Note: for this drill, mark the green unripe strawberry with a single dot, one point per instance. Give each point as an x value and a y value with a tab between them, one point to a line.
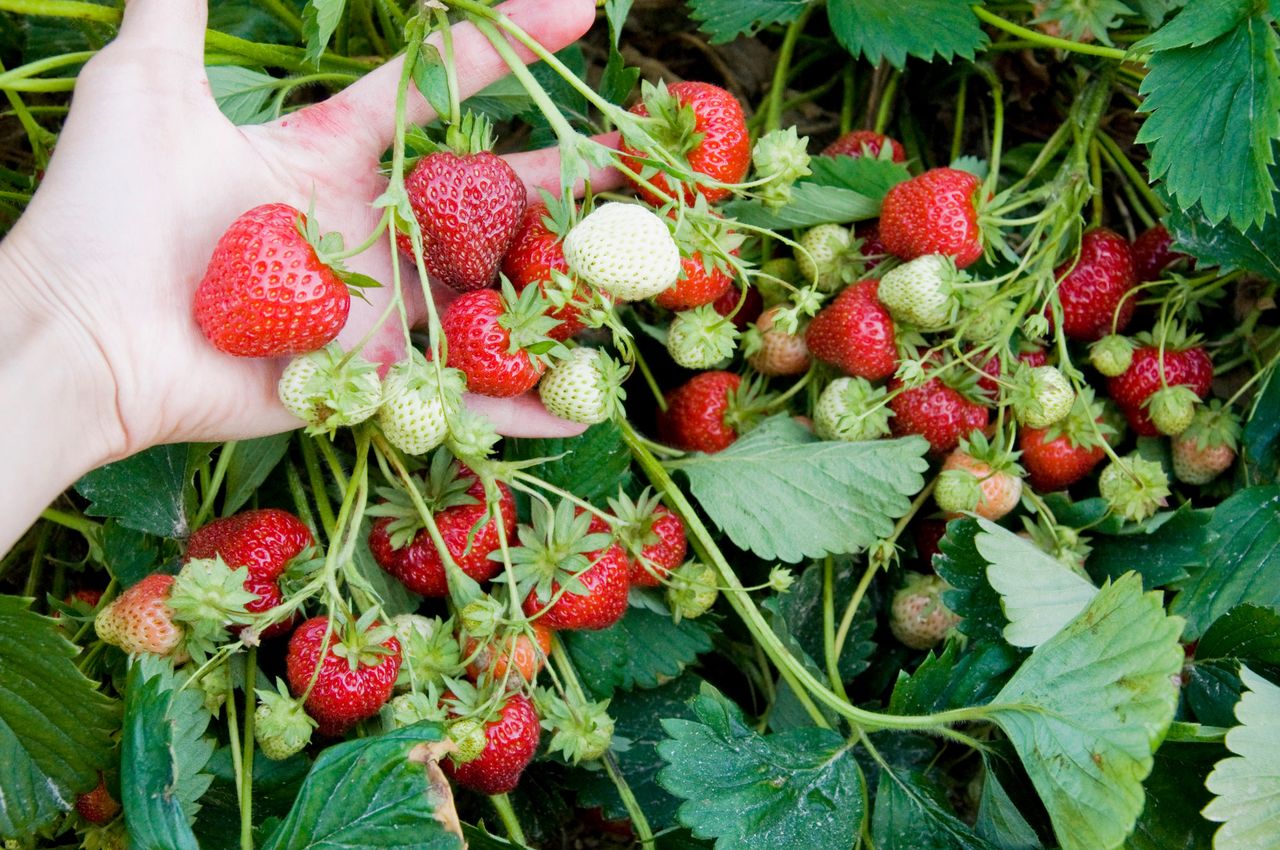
1207	448
851	410
586	388
701	338
1111	355
281	726
1172	409
417	403
1134	487
328	389
780	157
692	590
469	735
824	256
1041	395
917	616
921	292
624	250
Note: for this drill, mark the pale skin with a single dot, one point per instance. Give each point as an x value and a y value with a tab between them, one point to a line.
102	355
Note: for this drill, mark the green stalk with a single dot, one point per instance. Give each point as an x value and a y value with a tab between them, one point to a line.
778	88
1135	176
75	522
886	102
502	804
1048	41
957	133
211	493
37	563
246	788
284	14
315	477
828	627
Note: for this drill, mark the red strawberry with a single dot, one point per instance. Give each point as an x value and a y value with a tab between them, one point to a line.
469	208
652	536
573	552
489	336
1091	292
510	743
701	123
935	213
1153	253
356	675
696	416
266	292
90	596
928	536
939	413
98	806
859	142
1185	363
872	248
264	541
752	306
1032	355
140	619
855	332
1062	454
697	285
403	547
535	253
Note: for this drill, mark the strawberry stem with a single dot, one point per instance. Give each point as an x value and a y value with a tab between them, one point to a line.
1047	41
246	789
507	814
215	484
777	89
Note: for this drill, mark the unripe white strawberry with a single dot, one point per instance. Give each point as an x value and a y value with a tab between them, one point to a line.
281	726
773	351
328	389
1172	409
1134	487
700	338
1112	355
1041	396
417	403
1207	448
921	292
825	258
625	250
852	410
692	590
586	388
917	616
975	477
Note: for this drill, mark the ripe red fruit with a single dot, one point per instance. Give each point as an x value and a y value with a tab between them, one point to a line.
653	538
1091	292
854	142
417	565
478	327
264	541
935	213
469	208
696	285
695	416
98	806
1153	253
872	248
606	581
937	412
705	124
1054	459
535	253
855	332
928	537
752	306
510	744
265	292
347	689
1189	367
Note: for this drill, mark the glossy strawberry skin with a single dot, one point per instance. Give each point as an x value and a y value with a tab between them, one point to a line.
856	333
418	565
510	744
1091	292
480	347
265	292
469	209
934	213
1055	464
141	619
98	806
1190	367
724	154
1153	253
872	248
534	254
607	583
853	142
696	286
665	555
264	541
937	412
752	307
694	418
341	697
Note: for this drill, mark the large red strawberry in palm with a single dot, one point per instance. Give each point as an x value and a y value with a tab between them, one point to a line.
703	126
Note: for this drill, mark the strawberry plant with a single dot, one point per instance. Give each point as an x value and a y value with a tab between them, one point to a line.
757	423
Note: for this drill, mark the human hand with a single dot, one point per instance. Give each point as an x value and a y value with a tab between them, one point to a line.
148	174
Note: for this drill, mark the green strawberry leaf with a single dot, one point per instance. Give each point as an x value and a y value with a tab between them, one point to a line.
432	80
642	650
242	93
954	679
371	794
1213	87
791	791
1240	563
912	811
1247	632
1260	447
55	726
163	756
1038	593
972	596
801	611
319	20
275	785
878	29
638	718
130	556
1175	795
1000	821
151	491
824	497
1246	787
810	204
592	465
869	175
1087	709
1161	553
251	463
725	20
1255	249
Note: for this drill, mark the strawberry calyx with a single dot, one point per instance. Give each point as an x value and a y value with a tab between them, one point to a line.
581	732
472	135
1171	336
206	597
636	532
429	650
1134	487
700	231
748	404
671	125
362	642
992	453
554	550
443	486
700	338
524	318
1213	425
330	249
332	388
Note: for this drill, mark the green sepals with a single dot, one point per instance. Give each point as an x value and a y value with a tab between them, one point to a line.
415	707
214	684
992	452
361	644
781	158
748	405
328	389
1041	395
1080	20
701	338
481	617
525	319
555	549
1214	425
444	486
471	434
474	134
1134	487
699	230
582	732
1112	355
1064	543
1172	336
327	247
672	125
781	579
691	590
636	529
1081	426
852	410
207	596
282	727
429	650
1172	409
561	213
1035	326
